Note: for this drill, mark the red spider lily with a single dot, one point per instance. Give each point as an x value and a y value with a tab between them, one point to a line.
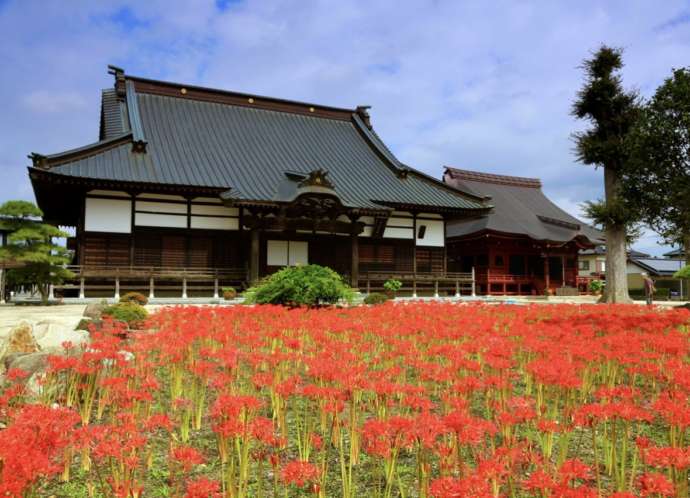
187	457
653	484
469	487
300	473
415	400
667	457
203	488
32	446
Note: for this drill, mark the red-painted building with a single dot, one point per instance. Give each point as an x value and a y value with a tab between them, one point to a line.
524	245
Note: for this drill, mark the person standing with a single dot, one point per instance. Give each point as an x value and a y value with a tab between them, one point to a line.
649	288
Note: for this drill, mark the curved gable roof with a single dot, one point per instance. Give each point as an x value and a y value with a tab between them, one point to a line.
242	144
520	208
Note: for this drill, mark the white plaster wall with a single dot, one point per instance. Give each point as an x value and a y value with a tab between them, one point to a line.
398	233
108	215
161	207
276	252
207	199
217	210
298	253
434	235
215	223
162	197
395	221
160	220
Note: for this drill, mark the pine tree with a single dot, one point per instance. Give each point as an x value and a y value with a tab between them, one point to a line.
30	244
613	112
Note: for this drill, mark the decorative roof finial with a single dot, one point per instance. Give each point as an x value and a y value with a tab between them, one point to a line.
38	160
119	74
363	112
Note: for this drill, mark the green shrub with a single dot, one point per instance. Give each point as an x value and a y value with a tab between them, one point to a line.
683	272
130	312
376	298
596	286
661	294
309	285
229	293
134	297
392	285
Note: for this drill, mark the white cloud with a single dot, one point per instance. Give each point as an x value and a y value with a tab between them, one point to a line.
473	84
46	101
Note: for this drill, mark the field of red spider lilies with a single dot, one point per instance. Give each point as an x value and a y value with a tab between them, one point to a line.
418	400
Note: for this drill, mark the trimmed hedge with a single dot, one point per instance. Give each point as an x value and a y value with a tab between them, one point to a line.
661	294
309	285
135	297
129	312
375	298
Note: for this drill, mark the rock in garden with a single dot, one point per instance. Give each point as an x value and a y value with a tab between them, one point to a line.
19	340
50	336
94	310
31	363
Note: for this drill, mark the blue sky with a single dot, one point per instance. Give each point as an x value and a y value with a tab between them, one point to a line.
473	84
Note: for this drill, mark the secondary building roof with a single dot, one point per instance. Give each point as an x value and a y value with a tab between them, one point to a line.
520	208
249	149
600	250
660	267
675	253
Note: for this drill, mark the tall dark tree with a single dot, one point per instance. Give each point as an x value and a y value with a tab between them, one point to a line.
658	179
612	112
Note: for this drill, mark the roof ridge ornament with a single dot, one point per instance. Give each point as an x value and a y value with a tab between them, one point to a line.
119	74
38	160
363	112
317	178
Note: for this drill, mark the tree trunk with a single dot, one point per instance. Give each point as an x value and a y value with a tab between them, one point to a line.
616	254
44	290
686	248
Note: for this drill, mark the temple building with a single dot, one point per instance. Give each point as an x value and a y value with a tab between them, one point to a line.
188	189
524	245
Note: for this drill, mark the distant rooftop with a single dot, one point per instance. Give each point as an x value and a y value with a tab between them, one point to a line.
661	267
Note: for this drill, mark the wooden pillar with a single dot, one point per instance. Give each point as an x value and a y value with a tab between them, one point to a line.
436	288
354	263
254	256
215	287
474	283
547	277
488	281
563	271
457	287
82	293
117	288
151	287
368	285
184	286
414	285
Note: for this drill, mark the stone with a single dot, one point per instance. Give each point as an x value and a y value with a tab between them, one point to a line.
19	340
50	336
31	362
94	310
